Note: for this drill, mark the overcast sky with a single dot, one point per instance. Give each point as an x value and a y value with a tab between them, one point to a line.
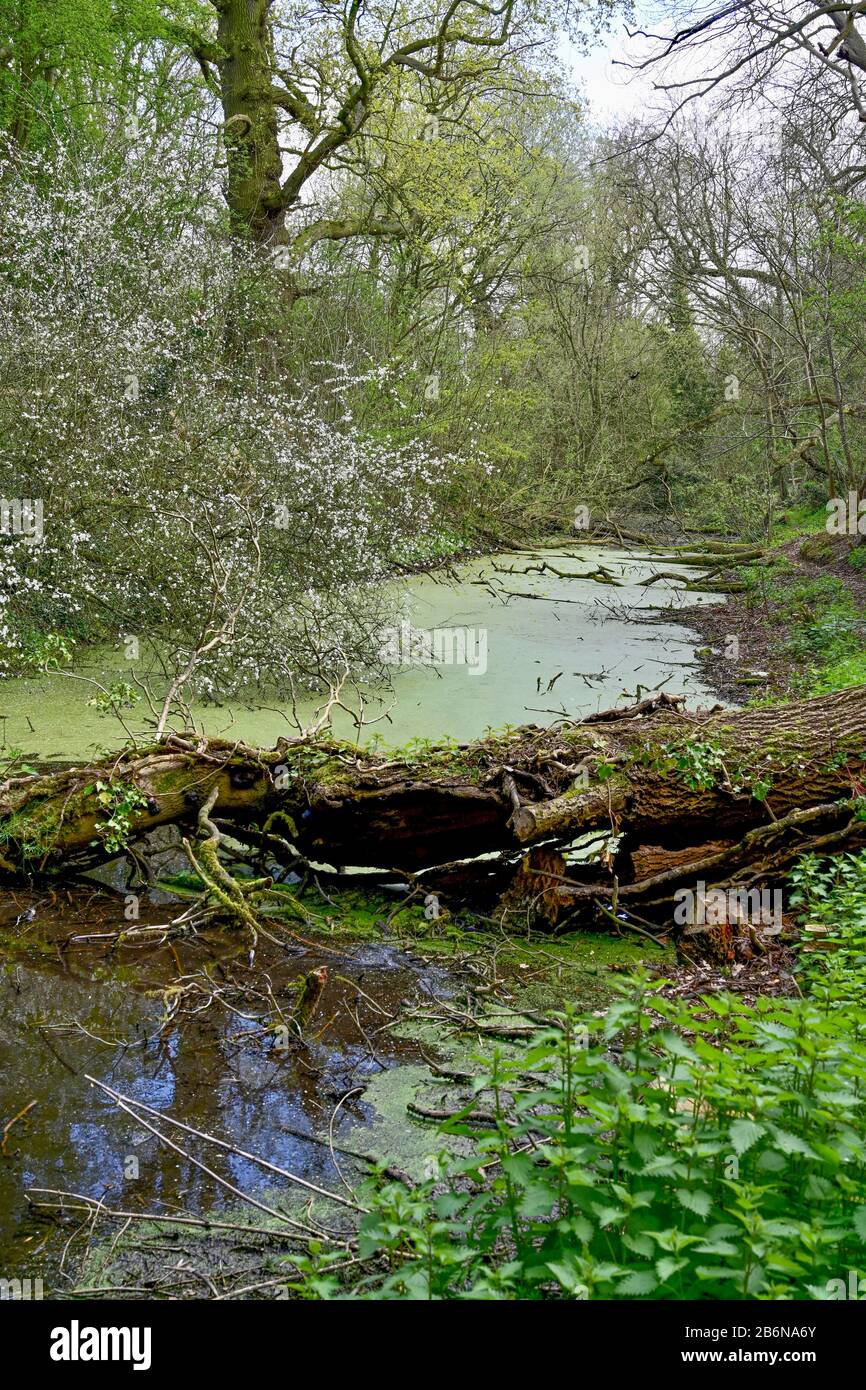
612	91
616	91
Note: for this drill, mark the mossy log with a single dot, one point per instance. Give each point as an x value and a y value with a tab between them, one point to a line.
669	795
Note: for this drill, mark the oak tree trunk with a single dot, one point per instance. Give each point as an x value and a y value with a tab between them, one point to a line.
255	197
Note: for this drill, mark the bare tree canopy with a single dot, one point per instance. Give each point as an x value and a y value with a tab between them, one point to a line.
749	46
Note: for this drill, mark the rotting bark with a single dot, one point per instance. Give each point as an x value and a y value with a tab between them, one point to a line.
670	796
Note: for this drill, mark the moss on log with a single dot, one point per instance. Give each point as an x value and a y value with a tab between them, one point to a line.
729	795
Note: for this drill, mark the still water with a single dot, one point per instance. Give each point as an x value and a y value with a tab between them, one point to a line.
74	1003
529	646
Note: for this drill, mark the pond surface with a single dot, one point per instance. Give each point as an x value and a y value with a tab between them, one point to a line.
515	646
72	1008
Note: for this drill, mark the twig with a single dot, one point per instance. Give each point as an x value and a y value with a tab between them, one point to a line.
126	1102
15	1118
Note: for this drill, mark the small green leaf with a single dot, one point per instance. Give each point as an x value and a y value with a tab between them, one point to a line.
697	1201
640	1282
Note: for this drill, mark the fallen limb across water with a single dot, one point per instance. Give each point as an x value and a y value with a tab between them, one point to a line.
671	796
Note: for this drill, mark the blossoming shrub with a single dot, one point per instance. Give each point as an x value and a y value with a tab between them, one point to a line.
190	494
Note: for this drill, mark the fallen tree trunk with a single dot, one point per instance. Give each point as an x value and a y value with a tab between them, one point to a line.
667	796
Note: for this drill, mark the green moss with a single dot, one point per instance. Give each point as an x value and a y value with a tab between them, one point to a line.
35	831
352	913
14	947
819	549
580	968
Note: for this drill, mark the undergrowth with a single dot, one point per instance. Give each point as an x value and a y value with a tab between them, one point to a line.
656	1149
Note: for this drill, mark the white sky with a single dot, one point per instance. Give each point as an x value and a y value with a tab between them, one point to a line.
611	91
616	91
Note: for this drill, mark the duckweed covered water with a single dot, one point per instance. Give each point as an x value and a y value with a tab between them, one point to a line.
572	645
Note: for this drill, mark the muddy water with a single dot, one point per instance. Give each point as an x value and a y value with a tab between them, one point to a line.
513	630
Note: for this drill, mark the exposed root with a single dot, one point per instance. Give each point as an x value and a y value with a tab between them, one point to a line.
232	897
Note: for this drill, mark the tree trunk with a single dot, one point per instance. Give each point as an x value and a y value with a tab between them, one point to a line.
668	796
255	198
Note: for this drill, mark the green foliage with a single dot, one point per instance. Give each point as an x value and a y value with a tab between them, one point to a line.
702	764
716	1153
851	670
36	651
804	518
12	764
119	801
844	234
832	893
604	771
117	696
825	623
699	764
67	64
662	1150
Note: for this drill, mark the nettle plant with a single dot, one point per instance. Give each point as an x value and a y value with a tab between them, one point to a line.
192	494
831	894
717	1153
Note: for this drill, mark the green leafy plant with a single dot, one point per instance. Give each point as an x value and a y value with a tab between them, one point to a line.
120	801
699	764
716	1153
119	695
35	651
11	762
831	894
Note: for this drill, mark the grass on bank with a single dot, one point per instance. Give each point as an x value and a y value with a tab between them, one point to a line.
823	614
